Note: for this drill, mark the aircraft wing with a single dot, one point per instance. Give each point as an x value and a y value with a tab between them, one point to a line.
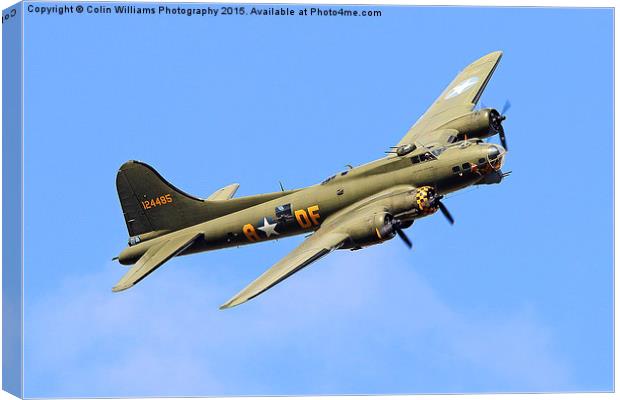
332	234
316	246
155	257
460	97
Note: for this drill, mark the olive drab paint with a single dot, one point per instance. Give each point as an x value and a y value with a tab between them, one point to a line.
444	151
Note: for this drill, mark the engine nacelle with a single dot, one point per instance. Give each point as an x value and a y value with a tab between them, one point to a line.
477	124
380	224
376	228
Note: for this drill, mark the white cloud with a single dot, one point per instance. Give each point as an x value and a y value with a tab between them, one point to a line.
352	323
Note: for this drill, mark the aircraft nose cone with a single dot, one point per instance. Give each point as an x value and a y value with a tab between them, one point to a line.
495	151
495	156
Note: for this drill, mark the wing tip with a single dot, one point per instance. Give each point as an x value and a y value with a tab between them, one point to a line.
497	55
120	288
232	303
493	57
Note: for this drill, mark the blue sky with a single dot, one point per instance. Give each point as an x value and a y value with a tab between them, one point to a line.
516	296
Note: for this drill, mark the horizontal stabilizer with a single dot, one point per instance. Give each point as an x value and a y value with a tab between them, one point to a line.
224	193
155	257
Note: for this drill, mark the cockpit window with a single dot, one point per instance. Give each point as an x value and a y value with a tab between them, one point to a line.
343	173
328	179
422	158
436	152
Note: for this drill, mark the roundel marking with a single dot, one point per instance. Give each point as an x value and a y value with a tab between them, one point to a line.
462	87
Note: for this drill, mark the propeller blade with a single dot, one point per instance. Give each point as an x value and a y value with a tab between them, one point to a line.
506	107
502	138
404	237
445	212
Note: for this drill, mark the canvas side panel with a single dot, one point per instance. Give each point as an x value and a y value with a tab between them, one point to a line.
12	212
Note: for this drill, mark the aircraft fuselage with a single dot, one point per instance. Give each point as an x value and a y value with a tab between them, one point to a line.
452	168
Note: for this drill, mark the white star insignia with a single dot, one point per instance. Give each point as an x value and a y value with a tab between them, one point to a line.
461	87
269	229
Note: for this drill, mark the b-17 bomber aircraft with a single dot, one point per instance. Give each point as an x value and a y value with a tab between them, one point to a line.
442	152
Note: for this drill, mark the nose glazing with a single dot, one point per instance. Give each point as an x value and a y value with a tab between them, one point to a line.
495	155
495	151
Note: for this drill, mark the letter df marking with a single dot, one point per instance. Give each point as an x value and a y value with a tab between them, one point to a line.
306	221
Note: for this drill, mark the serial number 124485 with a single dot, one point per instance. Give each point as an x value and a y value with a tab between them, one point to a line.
157	201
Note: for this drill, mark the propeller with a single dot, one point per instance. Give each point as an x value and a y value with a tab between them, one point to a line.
435	201
397	225
496	123
404	237
506	107
445	212
502	135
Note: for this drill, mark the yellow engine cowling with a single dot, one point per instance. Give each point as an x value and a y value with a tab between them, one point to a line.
424	200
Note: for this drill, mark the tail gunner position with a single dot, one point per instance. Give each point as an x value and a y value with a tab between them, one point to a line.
443	152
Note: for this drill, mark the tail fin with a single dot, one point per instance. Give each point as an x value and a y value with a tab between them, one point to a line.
150	203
